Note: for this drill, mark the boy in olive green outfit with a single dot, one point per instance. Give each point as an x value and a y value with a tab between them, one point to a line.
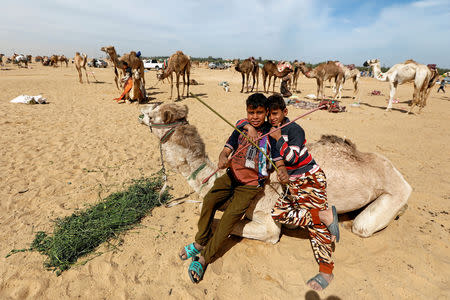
244	179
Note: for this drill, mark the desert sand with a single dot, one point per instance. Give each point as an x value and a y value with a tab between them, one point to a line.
67	154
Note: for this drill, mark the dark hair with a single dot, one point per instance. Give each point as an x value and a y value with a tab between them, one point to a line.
276	102
125	63
256	100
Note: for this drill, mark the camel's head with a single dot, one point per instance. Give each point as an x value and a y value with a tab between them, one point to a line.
157	113
108	49
371	62
159	74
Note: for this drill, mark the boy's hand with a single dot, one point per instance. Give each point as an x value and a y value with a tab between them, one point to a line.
283	176
223	162
276	135
251	132
223	158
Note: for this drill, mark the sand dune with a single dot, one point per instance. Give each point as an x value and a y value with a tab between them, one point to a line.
59	157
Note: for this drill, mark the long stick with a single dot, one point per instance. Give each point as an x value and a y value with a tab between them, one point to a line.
278	128
248	139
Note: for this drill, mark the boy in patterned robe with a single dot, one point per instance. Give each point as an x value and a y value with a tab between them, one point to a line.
306	203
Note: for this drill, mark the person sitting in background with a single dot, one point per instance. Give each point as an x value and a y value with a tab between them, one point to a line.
284	90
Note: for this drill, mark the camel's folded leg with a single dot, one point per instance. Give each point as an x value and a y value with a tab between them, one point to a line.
378	214
262	228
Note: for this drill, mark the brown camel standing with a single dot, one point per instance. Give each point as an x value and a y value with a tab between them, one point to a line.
180	64
54	60
80	63
323	72
270	69
131	59
62	59
250	65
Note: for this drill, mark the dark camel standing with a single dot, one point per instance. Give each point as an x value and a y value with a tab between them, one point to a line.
323	72
54	60
62	59
270	69
250	65
180	64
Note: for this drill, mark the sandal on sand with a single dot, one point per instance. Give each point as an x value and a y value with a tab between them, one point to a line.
334	226
190	250
320	280
197	268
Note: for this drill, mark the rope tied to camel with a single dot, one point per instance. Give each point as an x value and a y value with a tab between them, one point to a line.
169	133
162	140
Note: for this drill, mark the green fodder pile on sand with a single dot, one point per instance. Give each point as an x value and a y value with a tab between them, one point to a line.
80	233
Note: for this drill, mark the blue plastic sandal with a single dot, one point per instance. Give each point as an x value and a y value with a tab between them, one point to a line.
196	267
320	280
334	226
190	250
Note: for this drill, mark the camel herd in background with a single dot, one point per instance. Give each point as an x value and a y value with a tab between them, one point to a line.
22	61
423	77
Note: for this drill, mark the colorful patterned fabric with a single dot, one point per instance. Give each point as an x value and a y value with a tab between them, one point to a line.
245	166
306	197
282	65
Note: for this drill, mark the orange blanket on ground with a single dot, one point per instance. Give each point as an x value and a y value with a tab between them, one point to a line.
126	89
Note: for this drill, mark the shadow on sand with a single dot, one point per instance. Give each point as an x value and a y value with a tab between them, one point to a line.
383	107
313	295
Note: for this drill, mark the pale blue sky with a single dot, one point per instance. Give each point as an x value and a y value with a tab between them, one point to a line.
308	30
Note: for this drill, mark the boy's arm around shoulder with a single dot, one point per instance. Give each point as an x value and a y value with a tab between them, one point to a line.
251	131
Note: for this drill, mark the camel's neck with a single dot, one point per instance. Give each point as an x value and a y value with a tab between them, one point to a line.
376	69
199	169
194	170
281	74
114	58
308	72
167	73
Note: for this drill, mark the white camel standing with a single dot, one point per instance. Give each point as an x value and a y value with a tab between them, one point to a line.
355	179
409	71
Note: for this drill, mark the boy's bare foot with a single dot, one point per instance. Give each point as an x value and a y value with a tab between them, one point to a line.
312	283
183	254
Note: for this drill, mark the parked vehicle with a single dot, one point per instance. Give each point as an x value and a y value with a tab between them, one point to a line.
152	64
217	65
97	63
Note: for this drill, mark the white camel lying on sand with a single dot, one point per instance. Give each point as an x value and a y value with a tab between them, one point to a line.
355	179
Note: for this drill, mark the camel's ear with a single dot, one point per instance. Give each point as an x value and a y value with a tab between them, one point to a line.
182	112
167	116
